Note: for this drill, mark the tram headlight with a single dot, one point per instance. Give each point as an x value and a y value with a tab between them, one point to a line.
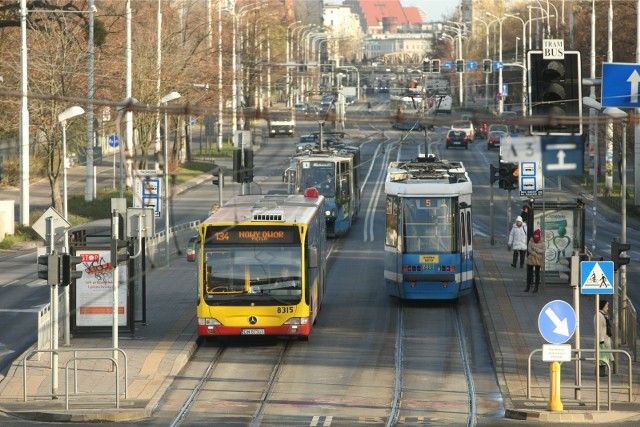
329	212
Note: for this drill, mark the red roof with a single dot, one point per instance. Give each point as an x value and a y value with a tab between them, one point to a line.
391	12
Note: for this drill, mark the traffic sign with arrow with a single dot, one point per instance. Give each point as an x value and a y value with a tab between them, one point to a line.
557	322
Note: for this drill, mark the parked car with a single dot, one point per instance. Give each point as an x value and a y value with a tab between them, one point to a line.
466	126
494	139
191	249
457	138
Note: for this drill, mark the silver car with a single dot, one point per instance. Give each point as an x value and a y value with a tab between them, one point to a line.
466	126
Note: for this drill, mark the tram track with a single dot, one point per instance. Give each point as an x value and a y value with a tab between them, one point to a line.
398	413
211	381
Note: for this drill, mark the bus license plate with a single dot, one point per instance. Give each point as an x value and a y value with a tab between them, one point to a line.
252	332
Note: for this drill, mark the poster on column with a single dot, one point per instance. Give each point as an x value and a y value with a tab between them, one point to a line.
94	290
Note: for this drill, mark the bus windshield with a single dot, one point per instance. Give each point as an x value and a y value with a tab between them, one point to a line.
252	270
428	225
320	175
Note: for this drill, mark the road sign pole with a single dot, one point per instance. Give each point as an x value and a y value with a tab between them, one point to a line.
597	344
576	307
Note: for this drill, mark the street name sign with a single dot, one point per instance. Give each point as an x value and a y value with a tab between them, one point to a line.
620	85
596	277
557	322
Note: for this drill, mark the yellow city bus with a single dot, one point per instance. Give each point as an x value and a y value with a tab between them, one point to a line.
262	266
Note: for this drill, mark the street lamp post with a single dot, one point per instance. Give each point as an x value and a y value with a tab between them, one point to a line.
165	152
500	97
486	76
67	114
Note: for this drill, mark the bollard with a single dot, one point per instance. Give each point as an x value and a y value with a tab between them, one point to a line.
554	388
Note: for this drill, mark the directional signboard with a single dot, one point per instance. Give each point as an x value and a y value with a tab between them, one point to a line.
562	155
620	85
498	65
557	322
596	277
448	65
520	148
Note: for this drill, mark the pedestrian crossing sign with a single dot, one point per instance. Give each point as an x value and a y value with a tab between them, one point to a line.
596	277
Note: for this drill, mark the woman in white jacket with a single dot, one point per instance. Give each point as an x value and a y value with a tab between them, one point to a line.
518	242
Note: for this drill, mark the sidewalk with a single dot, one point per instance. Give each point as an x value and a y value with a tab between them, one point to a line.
162	348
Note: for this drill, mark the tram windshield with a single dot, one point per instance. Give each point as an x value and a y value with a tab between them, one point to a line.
253	271
321	175
428	225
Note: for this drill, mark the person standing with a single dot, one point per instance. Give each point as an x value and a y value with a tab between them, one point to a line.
525	214
518	242
536	249
601	321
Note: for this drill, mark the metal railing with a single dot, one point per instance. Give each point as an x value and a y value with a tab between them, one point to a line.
578	385
74	359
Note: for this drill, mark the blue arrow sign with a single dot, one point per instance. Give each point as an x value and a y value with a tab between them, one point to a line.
448	65
498	65
620	85
557	322
562	155
114	141
472	65
596	277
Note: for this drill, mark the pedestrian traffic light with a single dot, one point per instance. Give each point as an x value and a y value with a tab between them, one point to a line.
69	270
435	66
617	248
426	66
459	65
556	93
487	66
51	273
508	175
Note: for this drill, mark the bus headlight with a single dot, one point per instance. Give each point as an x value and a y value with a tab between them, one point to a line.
208	321
297	321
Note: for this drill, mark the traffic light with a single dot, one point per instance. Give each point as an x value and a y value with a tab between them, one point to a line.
616	250
459	65
572	263
435	66
119	251
487	66
556	93
52	271
69	271
494	174
218	176
508	175
243	165
426	66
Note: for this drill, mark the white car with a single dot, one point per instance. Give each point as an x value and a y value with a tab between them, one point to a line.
466	126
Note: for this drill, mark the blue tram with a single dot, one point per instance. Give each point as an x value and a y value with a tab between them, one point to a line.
429	232
334	173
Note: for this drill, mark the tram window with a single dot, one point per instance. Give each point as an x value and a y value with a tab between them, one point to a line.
463	229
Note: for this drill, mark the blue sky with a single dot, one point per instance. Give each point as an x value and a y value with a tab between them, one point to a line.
434	8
